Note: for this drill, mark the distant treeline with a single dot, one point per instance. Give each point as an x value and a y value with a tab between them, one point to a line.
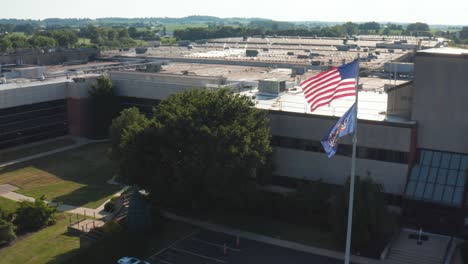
288	29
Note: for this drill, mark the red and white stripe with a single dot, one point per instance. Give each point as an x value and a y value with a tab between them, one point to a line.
323	88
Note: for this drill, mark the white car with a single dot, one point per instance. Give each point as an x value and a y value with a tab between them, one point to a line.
130	260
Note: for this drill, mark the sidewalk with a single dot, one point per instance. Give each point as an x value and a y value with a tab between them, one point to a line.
98	213
271	240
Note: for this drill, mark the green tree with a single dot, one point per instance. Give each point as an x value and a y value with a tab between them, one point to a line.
128	124
371	222
42	42
7	231
34	215
464	33
65	38
5	44
19	41
104	106
370	26
351	28
201	148
418	28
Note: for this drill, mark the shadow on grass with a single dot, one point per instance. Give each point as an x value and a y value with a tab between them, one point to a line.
76	177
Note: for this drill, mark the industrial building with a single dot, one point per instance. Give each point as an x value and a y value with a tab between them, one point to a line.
411	131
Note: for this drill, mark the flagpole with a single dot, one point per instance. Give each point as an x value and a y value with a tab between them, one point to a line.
353	172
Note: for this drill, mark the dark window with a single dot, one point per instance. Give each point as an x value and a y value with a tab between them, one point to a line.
343	149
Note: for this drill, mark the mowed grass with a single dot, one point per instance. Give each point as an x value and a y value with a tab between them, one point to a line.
7	205
45	246
142	246
75	177
17	153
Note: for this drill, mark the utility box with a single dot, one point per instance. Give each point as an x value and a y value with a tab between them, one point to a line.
271	86
141	50
343	47
251	53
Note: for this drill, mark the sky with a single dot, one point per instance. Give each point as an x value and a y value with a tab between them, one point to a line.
449	12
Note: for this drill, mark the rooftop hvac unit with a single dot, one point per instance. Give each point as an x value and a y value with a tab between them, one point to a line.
270	86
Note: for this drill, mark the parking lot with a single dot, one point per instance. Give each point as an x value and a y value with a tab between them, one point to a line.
207	247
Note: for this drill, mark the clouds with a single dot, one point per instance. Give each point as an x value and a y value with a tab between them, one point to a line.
450	12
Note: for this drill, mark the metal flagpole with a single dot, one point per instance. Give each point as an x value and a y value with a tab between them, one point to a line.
353	171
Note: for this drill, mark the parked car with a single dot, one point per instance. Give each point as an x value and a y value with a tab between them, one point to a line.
130	260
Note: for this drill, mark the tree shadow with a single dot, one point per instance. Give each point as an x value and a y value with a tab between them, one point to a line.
75	177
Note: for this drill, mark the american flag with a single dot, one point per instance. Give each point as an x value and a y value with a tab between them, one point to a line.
323	88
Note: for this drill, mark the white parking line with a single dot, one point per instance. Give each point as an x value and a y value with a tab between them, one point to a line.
165	262
177	241
214	244
198	255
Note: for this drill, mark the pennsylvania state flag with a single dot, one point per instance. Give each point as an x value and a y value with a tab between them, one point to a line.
343	127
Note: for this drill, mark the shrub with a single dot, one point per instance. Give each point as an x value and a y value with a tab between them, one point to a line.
7	232
34	215
109	206
111	227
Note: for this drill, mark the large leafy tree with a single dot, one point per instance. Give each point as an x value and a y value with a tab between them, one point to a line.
123	129
371	221
104	106
202	148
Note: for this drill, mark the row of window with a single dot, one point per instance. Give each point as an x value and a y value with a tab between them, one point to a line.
29	123
343	149
438	177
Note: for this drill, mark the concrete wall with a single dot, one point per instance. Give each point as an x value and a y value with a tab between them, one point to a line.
440	102
400	100
158	86
313	166
16	94
382	135
53	58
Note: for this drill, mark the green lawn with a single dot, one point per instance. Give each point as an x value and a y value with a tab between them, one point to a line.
9	155
142	246
76	177
8	205
45	246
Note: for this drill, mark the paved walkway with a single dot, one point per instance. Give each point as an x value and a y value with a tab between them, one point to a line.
7	191
271	240
97	213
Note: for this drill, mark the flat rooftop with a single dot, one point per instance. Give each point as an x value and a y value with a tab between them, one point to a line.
303	51
445	51
371	106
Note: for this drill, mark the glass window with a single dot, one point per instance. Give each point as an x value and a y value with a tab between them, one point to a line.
448	194
429	191
410	188
464	163
427	158
436	159
415	173
452	177
442	176
432	175
458	196
461	178
455	162
420	190
423	174
445	161
439	189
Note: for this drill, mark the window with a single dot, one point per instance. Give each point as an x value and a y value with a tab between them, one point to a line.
438	177
343	149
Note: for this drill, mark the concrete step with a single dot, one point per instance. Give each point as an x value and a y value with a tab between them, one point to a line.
405	257
434	255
